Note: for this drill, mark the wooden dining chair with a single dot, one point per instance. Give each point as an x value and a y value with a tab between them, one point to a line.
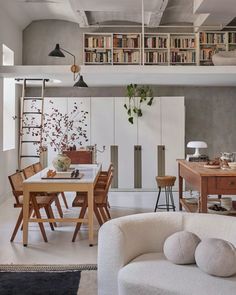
30	171
101	210
37	168
36	203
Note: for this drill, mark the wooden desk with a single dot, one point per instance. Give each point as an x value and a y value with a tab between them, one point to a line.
206	181
36	184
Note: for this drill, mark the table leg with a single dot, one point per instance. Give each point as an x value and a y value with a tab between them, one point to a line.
203	196
180	189
26	216
90	215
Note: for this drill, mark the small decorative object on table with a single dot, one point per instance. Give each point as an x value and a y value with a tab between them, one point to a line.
61	162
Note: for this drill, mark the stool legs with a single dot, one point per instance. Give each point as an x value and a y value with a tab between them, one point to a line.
169	199
158	197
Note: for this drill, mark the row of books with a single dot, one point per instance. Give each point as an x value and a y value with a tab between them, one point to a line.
120	56
126	41
232	37
212	38
183	57
182	42
156	57
98	42
206	54
155	42
98	57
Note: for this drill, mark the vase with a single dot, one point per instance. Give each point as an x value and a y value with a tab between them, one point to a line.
61	162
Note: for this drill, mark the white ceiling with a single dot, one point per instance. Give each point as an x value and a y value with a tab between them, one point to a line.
109	76
87	12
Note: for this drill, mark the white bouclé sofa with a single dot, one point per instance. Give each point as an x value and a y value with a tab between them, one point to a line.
131	259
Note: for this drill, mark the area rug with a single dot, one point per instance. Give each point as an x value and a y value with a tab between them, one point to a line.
48	279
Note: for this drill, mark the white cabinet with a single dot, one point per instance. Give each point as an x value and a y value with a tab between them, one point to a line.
126	139
149	137
173	132
102	127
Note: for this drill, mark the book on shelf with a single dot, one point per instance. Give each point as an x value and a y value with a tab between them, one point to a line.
98	42
182	42
126	41
212	38
126	56
98	56
156	57
232	38
155	42
207	53
183	57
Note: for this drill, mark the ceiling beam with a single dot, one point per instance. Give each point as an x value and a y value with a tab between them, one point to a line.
156	16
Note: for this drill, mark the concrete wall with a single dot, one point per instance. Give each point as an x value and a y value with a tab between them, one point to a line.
11	36
210	111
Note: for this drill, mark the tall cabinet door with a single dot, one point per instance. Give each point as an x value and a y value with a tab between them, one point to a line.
173	132
149	137
102	127
125	139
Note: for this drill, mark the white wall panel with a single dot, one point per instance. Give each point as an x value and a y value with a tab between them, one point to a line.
102	127
149	136
173	131
125	138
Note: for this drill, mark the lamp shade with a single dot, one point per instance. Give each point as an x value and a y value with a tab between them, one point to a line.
80	82
197	144
57	52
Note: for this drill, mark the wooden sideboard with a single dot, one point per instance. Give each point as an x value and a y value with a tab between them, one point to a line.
206	181
80	157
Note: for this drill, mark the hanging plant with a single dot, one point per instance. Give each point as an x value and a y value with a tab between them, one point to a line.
144	94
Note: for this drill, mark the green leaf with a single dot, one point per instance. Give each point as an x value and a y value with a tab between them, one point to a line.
131	120
150	101
129	112
140	113
125	106
135	110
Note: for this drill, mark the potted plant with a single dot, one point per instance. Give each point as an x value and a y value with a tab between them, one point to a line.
137	95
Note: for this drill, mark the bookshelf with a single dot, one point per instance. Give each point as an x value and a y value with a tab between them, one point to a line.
232	41
160	49
126	48
183	49
98	49
156	49
209	44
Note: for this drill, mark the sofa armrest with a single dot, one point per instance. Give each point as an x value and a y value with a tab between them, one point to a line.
123	239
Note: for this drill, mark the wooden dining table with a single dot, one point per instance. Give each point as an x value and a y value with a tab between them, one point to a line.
38	183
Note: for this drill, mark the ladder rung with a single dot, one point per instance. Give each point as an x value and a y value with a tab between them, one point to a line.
29	156
32	113
33	98
31	127
30	141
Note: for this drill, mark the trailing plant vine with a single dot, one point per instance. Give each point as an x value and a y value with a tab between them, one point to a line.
137	95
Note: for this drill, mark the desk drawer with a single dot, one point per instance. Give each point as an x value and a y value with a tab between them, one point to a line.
227	183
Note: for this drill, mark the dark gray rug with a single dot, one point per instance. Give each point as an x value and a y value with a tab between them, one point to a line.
48	279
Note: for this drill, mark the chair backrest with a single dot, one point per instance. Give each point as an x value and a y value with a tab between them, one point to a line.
16	181
105	191
28	171
80	157
37	167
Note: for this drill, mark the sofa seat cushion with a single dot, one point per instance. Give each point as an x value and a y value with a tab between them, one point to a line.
153	274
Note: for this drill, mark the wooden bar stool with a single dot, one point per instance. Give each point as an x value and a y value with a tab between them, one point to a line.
166	182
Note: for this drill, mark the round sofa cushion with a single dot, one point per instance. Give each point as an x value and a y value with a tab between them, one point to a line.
180	247
216	257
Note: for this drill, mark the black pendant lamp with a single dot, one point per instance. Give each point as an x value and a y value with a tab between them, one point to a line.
80	83
57	52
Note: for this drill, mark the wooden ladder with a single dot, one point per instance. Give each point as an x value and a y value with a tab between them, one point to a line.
31	129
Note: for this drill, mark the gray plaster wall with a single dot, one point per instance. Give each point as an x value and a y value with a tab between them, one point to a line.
210	111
